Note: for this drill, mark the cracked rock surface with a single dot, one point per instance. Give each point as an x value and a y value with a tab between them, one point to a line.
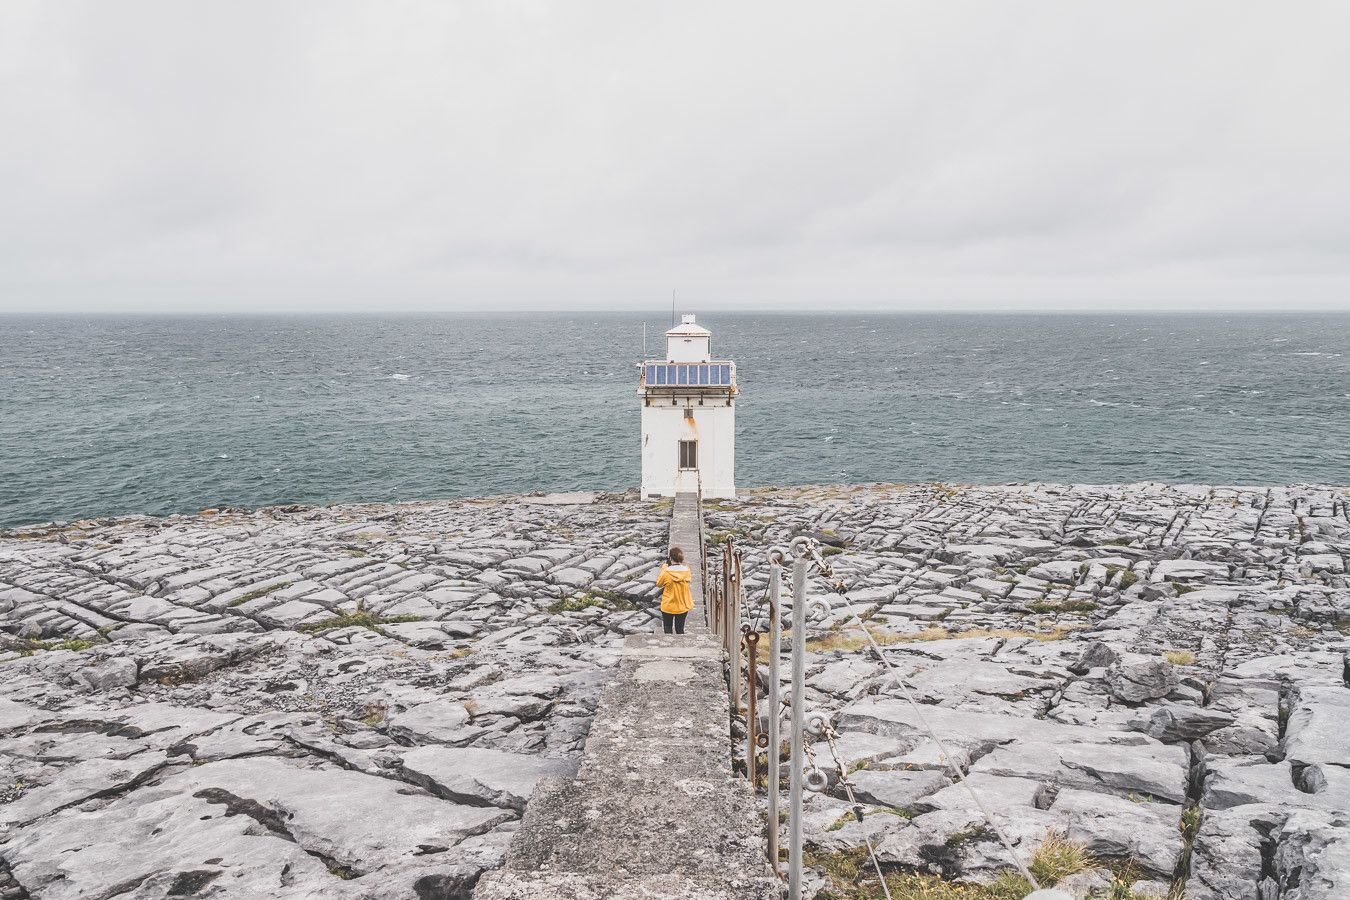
352	701
359	701
1156	672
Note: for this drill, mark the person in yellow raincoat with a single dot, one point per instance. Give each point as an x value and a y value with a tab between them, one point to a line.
676	600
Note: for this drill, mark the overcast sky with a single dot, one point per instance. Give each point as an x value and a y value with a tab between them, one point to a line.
295	156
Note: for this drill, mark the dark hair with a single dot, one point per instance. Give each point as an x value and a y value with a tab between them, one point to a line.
676	555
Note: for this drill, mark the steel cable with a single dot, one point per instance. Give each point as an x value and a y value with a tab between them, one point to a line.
848	789
946	756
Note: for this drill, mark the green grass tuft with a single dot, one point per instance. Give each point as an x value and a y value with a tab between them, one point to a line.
1057	857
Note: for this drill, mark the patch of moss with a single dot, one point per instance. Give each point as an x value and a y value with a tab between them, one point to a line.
1179	657
596	599
965	836
358	619
74	644
36	645
1062	606
258	594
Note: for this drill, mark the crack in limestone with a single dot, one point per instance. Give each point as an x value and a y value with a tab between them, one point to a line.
109	793
10	887
273	822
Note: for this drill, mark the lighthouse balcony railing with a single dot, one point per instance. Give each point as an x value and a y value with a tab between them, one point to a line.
713	374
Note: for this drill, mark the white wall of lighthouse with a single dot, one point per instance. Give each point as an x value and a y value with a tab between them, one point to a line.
688	417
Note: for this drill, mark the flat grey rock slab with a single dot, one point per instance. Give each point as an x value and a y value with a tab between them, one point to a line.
479	776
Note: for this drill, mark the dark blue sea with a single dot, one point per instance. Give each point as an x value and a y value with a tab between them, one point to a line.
116	415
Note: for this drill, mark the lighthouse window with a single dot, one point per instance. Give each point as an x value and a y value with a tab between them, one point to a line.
702	374
688	454
725	374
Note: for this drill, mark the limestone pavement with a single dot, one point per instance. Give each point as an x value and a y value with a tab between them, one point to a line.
363	701
1155	673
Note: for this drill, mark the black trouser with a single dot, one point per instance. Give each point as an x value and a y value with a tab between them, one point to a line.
676	619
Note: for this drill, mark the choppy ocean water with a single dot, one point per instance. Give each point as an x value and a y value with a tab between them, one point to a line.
118	415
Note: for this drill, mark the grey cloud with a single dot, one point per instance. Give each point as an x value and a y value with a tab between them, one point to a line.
170	156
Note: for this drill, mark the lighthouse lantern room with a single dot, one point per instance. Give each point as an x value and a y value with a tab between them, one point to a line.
688	417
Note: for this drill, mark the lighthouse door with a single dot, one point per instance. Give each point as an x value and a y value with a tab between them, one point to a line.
688	454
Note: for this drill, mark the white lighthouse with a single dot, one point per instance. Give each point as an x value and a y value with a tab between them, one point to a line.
688	417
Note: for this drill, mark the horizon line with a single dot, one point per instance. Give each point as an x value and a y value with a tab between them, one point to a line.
697	310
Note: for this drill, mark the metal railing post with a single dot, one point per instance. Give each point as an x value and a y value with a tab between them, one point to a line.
733	625
775	707
751	704
798	723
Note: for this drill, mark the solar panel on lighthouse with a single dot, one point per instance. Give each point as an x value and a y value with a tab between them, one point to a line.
676	375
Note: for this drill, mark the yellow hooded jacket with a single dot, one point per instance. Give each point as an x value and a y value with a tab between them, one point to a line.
675	596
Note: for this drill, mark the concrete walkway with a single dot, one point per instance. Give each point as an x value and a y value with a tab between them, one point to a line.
686	526
654	811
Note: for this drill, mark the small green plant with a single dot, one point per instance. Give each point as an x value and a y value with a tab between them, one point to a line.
1189	826
1179	657
1128	578
1182	588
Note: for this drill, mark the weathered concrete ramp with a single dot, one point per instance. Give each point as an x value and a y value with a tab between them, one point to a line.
654	811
